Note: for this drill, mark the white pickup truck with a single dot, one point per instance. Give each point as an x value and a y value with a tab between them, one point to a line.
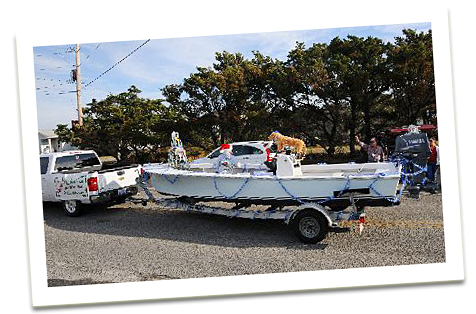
78	177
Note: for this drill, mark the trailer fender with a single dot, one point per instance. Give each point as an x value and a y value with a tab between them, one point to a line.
314	206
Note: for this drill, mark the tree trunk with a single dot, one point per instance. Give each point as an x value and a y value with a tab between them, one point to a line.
367	123
353	117
222	135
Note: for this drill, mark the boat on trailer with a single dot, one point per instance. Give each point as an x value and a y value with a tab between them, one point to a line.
370	184
310	198
319	194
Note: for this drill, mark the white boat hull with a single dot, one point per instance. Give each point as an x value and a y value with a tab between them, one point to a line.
318	183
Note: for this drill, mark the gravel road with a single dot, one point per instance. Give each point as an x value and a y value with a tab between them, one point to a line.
130	242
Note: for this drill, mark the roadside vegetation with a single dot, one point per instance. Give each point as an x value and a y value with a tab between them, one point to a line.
324	94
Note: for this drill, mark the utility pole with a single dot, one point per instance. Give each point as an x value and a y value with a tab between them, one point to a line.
78	86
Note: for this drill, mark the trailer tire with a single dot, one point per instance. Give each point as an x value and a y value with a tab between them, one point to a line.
309	226
72	208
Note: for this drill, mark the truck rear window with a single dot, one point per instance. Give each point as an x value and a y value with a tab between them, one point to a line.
44	164
76	162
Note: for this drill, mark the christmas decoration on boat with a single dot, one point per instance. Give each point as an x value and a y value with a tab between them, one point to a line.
177	154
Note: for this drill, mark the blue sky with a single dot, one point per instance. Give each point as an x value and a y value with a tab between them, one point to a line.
160	62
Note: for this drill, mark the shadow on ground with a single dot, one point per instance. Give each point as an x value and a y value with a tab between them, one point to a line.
191	227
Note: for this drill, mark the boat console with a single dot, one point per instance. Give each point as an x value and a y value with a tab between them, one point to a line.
288	166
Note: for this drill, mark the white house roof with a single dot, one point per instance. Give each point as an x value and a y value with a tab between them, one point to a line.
47	133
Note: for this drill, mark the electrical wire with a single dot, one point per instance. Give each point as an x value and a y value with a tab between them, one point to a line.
117	63
71	49
96	48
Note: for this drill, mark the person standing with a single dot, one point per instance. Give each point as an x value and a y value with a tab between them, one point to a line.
373	150
433	160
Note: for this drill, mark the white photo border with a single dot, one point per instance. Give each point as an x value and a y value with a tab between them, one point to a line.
451	270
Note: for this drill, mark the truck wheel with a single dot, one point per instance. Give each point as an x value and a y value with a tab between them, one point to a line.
310	226
72	208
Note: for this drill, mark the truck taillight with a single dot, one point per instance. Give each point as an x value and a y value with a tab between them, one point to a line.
93	184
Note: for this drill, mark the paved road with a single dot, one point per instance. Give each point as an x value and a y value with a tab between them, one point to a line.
133	243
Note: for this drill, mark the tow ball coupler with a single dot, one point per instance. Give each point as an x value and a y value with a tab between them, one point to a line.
358	211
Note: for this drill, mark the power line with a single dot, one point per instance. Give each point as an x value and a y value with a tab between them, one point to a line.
53	84
91	53
55	80
62	57
117	63
96	48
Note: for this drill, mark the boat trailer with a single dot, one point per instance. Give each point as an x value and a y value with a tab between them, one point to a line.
309	221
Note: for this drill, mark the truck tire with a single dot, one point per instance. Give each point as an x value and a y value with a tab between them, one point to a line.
72	208
309	226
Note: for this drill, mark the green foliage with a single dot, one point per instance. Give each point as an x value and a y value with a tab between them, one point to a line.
64	133
412	77
324	94
125	126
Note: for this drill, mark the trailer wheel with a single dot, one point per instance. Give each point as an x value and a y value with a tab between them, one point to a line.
310	226
72	208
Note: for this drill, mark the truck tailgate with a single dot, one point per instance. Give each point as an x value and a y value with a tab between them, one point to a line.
117	178
72	186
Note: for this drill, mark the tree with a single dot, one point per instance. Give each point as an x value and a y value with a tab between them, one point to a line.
360	68
219	102
322	103
272	95
125	126
412	78
325	94
65	135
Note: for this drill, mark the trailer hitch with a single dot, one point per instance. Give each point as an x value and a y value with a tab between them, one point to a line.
357	213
